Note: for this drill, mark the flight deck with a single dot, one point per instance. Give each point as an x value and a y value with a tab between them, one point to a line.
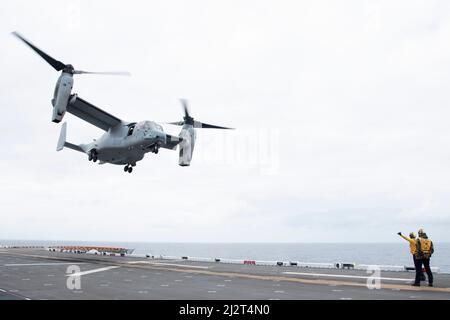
38	274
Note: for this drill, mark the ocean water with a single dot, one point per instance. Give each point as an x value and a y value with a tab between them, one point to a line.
362	253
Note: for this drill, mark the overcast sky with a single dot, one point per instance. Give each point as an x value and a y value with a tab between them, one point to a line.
342	112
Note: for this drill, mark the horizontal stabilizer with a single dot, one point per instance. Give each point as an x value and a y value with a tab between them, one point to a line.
73	146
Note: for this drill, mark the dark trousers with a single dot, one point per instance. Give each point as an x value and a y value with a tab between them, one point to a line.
418	265
422	276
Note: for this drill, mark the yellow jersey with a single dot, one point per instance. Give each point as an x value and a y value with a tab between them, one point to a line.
412	244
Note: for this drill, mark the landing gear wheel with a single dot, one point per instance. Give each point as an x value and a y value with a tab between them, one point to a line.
130	169
156	151
125	168
93	155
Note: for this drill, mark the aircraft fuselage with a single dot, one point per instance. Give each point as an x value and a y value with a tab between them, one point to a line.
127	143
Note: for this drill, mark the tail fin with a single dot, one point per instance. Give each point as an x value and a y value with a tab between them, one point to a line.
62	137
63	143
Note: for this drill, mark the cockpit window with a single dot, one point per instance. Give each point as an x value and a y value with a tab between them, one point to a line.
131	129
148	125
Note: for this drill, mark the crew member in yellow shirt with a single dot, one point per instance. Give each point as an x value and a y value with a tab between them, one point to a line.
413	250
425	250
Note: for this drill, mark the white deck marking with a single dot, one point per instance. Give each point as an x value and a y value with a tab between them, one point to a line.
39	264
48	284
346	299
279	291
25	279
164	285
344	276
212	291
168	264
91	271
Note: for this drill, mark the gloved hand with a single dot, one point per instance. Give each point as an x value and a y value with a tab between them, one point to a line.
399	233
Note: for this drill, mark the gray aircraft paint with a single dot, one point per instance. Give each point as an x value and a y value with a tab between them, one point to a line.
61	97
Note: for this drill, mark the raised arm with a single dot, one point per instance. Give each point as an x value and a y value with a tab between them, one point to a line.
406	238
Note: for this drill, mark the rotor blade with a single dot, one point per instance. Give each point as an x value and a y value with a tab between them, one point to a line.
58	65
198	124
179	123
112	73
185	107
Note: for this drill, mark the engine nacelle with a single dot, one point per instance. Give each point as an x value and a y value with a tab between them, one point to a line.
61	96
186	145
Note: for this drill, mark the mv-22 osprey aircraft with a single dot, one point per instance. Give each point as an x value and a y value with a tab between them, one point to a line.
123	143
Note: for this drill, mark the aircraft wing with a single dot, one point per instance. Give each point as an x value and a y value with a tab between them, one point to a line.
171	142
90	113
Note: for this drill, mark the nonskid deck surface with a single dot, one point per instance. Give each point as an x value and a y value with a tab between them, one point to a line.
39	274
